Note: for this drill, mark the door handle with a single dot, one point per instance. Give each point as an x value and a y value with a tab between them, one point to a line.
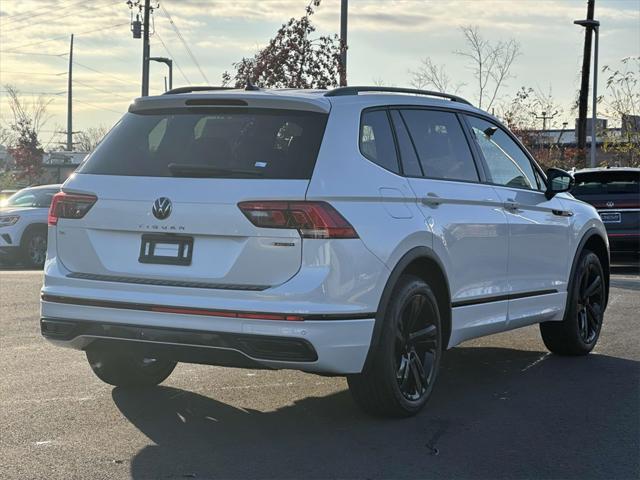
432	200
511	205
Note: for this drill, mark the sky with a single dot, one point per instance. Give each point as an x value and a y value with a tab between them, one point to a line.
387	39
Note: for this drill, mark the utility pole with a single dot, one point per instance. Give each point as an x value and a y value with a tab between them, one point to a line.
145	49
584	84
70	99
344	4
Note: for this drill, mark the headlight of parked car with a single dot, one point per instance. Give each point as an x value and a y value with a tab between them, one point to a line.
8	220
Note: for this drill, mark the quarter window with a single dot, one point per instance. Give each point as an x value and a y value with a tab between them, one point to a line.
442	148
376	140
507	163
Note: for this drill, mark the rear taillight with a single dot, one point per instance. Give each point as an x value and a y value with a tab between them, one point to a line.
311	219
69	205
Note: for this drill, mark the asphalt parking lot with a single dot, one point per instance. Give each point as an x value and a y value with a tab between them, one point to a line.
503	408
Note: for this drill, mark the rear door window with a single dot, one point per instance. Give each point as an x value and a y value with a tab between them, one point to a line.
376	139
441	145
216	142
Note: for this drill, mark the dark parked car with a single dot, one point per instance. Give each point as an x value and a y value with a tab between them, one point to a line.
615	192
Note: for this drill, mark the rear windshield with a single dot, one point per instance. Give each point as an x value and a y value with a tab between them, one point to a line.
607	183
212	142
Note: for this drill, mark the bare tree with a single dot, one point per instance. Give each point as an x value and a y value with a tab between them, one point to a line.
88	139
490	63
432	76
28	119
622	103
24	111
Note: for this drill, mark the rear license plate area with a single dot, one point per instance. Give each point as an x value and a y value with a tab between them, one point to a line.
166	249
610	217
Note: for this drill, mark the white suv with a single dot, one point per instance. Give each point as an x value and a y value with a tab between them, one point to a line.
359	231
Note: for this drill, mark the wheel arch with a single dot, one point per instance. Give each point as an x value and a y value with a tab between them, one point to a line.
32	228
423	263
592	240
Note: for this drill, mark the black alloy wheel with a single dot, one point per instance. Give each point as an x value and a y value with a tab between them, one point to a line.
590	303
580	328
401	370
416	348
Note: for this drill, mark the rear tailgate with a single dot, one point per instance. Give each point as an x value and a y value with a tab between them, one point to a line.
227	249
197	163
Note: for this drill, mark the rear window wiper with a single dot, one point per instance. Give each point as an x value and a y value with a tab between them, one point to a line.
207	171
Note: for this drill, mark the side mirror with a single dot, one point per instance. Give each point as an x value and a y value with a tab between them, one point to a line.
558	181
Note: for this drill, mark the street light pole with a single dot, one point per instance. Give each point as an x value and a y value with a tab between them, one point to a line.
594	25
169	64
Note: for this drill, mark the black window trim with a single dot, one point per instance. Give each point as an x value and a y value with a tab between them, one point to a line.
534	164
479	170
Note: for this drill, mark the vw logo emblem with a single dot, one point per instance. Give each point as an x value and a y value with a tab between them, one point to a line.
610	204
161	208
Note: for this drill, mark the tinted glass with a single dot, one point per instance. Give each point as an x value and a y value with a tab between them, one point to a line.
376	140
31	198
602	183
211	142
441	145
507	163
408	157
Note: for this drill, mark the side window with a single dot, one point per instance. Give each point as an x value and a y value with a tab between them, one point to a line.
408	157
376	140
441	145
507	163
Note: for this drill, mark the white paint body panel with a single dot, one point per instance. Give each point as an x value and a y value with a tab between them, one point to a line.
485	250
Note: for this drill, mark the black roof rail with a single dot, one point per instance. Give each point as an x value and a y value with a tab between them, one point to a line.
344	91
196	89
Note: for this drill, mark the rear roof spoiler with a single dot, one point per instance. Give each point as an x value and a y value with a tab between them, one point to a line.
196	88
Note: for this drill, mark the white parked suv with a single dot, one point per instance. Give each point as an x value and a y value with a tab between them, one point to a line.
359	232
23	225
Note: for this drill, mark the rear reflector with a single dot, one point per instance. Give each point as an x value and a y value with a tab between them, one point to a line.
311	219
68	205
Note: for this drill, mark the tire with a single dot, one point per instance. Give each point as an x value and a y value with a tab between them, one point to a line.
400	375
33	246
125	367
579	331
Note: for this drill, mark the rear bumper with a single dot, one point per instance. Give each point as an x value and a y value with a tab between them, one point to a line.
333	346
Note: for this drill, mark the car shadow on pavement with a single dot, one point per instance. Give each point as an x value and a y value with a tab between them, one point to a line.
495	413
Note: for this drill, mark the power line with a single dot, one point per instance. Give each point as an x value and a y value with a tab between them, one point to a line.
11	50
103	73
96	106
52	19
36	53
186	46
174	58
28	14
37	93
101	90
34	73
